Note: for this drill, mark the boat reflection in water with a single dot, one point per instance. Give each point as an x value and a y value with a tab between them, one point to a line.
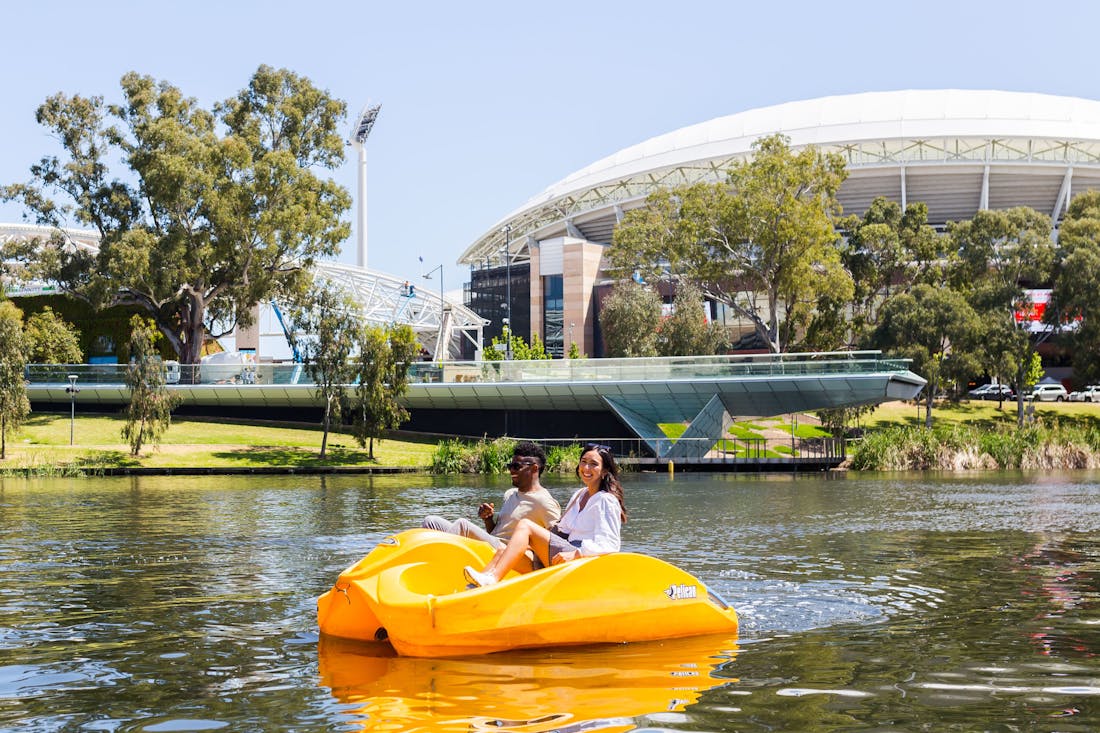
575	689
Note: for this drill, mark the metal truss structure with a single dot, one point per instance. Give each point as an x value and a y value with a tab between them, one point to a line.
385	300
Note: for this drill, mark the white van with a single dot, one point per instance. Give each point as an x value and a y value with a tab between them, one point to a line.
1049	393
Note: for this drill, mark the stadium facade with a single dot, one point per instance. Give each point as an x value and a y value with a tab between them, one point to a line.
958	151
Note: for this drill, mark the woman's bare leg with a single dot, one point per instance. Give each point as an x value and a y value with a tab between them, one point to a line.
527	535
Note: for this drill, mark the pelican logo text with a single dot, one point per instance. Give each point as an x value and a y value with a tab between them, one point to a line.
681	592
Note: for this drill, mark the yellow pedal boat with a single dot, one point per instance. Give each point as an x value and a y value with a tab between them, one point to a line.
410	592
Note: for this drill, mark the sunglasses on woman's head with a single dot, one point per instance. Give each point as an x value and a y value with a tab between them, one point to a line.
597	447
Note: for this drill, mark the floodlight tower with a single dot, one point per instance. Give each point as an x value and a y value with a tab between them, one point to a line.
359	140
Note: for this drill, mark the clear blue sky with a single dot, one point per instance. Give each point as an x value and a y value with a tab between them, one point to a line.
485	104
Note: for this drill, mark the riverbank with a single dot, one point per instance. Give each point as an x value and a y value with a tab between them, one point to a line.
41	447
978	435
966	435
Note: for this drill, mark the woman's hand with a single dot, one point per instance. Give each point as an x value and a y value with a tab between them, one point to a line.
565	556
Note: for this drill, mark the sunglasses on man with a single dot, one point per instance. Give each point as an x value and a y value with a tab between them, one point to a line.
519	465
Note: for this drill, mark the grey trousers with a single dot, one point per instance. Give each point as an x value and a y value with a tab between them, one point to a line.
463	527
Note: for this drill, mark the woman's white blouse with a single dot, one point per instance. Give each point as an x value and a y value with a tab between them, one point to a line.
598	526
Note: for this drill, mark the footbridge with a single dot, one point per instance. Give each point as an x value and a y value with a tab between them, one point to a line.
581	398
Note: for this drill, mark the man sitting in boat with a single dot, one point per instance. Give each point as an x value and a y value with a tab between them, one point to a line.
527	500
591	525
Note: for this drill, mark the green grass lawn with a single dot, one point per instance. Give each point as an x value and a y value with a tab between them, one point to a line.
673	429
43	442
976	413
981	413
804	431
745	431
751	431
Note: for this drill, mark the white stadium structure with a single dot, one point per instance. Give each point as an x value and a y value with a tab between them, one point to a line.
957	151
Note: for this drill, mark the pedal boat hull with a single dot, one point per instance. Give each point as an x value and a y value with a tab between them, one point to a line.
410	592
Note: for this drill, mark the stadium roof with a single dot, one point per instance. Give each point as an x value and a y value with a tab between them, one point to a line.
956	150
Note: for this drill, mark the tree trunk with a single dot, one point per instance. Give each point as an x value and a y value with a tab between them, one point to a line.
370	450
324	425
137	443
185	331
774	342
928	408
1020	398
192	348
3	438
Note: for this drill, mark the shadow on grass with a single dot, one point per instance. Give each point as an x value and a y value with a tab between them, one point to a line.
105	459
294	456
39	419
1089	422
87	464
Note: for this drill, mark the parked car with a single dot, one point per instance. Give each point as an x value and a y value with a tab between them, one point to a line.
1049	393
979	392
1090	393
998	392
991	392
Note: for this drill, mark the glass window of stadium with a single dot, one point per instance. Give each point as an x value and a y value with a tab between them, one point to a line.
553	315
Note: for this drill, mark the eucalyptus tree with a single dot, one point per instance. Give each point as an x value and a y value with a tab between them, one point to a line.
629	318
382	379
14	405
324	325
937	329
887	251
763	242
998	252
686	331
149	412
201	213
1076	293
512	345
52	340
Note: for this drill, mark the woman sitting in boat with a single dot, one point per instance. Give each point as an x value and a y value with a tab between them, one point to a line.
591	524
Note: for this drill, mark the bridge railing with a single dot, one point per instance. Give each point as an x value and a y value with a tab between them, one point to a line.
659	368
551	370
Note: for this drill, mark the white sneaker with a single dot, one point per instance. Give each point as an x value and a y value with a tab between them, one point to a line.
478	578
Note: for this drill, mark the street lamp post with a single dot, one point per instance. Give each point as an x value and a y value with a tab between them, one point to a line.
359	141
440	348
72	390
508	288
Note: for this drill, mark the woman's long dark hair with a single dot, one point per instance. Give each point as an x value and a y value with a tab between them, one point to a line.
609	481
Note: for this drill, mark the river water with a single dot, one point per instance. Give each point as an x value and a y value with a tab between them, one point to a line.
904	602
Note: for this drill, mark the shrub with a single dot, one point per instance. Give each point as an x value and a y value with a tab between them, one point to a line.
563	458
453	456
956	447
493	456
